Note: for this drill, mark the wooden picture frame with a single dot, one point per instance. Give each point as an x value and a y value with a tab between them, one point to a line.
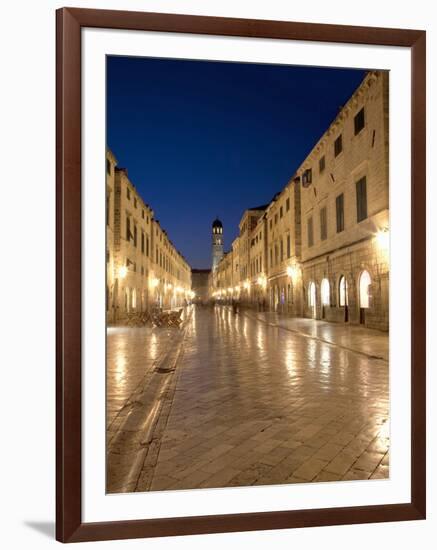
69	525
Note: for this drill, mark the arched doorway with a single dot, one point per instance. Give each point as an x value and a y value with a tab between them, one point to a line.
324	294
312	299
343	297
364	284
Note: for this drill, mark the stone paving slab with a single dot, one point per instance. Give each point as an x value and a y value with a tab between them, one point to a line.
357	338
255	404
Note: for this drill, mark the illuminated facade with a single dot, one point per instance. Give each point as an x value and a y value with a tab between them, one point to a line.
320	248
345	213
143	267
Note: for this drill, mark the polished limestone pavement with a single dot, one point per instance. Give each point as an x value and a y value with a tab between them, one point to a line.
252	399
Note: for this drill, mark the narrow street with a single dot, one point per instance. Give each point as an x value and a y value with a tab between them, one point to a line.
245	399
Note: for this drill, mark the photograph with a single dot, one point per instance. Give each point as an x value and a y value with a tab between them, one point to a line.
247	274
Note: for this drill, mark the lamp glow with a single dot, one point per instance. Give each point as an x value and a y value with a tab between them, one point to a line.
383	239
292	271
262	281
122	271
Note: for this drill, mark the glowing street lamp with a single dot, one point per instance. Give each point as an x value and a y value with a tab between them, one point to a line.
383	239
262	281
122	271
292	272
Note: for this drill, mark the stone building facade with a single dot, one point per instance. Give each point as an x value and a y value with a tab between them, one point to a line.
143	267
324	250
111	163
284	279
200	285
247	226
345	213
258	263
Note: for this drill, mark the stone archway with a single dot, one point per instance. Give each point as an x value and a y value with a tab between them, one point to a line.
325	296
364	294
312	299
343	298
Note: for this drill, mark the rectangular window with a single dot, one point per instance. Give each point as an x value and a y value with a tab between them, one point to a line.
127	228
142	213
282	250
339	210
310	229
322	164
281	212
338	146
128	193
323	224
288	246
287	204
359	121
135	235
361	187
108	166
270	224
147	246
142	243
135	203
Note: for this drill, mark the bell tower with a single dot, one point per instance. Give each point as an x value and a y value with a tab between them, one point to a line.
217	243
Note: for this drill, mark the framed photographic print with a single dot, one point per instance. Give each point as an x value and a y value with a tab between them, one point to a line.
240	274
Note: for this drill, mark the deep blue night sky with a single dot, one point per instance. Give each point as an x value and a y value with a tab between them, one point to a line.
205	139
